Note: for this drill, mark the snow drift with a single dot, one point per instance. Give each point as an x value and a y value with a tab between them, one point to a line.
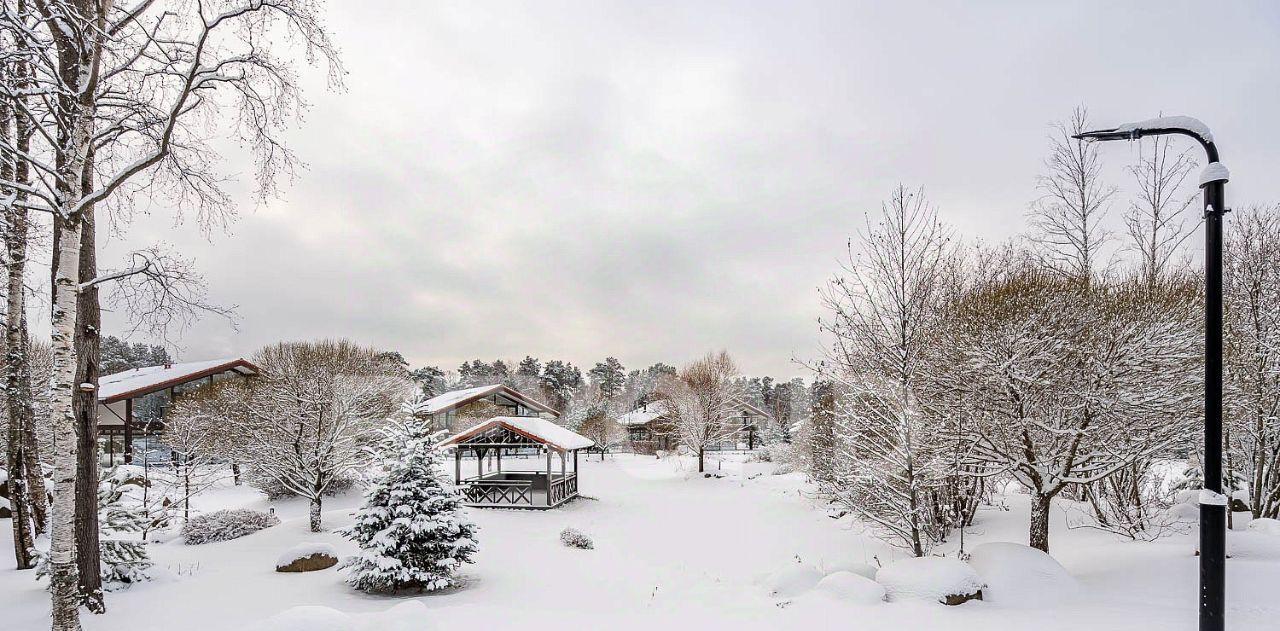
1015	574
930	578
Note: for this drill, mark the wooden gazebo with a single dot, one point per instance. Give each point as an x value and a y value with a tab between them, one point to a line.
517	435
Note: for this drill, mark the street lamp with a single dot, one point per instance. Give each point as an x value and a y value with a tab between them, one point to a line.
1213	504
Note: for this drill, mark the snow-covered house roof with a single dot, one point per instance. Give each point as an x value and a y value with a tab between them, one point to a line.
142	381
458	398
644	414
533	428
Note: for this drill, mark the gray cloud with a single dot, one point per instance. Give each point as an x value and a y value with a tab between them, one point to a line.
653	180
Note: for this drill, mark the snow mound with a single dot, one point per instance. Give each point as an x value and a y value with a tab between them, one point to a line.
307	618
1021	575
1187	496
1184	512
861	569
1253	545
850	588
1265	526
410	615
929	578
1188	123
304	550
792	581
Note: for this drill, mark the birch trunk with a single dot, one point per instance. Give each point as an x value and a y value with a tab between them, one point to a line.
62	545
20	504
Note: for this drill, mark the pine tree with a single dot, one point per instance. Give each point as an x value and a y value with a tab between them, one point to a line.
412	530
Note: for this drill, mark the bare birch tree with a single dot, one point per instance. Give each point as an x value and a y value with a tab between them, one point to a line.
1252	340
1157	220
881	306
123	101
1067	219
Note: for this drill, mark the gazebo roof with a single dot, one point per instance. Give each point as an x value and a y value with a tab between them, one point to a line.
532	428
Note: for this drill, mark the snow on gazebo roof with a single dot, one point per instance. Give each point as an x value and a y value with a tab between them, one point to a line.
455	398
137	382
536	429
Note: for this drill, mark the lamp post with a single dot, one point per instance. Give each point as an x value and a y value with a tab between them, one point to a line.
1213	504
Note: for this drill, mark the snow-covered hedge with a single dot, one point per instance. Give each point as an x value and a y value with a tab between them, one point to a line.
225	525
1015	574
949	581
576	539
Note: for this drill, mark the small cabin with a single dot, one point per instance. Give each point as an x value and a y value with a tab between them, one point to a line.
533	447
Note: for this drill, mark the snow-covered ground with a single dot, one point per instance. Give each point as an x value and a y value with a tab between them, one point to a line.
673	550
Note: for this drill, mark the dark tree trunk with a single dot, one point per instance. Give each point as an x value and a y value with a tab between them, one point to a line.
701	453
1039	535
85	409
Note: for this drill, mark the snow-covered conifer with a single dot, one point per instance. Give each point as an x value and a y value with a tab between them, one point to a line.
413	531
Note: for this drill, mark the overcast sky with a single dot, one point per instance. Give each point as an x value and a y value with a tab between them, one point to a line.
654	180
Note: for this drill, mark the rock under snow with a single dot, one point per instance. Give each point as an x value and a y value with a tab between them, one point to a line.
947	581
1265	526
1015	574
849	588
307	557
792	581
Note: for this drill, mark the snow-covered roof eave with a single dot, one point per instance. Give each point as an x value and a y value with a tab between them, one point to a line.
455	398
531	427
138	382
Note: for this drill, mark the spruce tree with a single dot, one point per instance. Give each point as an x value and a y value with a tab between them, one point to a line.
412	530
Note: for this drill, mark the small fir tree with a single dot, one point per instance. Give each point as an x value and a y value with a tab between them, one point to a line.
412	530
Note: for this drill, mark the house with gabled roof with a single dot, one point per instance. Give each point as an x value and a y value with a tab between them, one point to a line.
132	403
445	412
651	427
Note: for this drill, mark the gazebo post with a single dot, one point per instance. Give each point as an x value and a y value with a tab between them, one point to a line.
479	463
575	462
499	460
548	448
457	464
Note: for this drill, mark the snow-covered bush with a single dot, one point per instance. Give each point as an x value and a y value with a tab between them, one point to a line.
124	561
225	525
412	530
1016	574
948	581
576	539
851	588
